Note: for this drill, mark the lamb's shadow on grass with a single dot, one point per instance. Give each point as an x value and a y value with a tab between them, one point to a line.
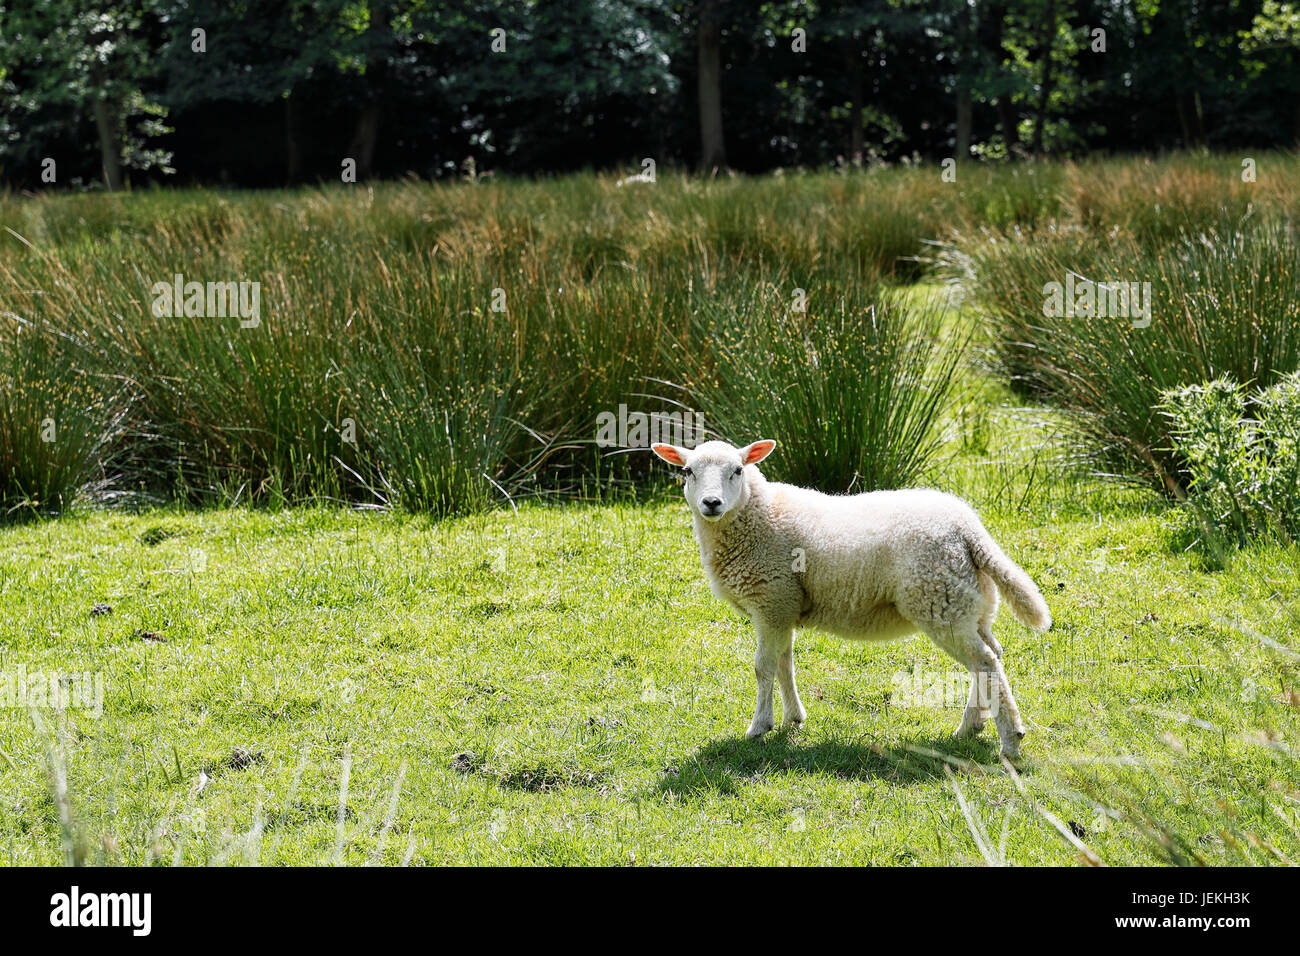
725	766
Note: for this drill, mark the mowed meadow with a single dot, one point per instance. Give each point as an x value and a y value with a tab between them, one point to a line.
352	580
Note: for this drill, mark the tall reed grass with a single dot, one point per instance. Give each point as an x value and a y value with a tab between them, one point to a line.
59	421
443	346
439	348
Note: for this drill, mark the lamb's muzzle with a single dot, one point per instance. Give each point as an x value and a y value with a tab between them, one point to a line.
865	567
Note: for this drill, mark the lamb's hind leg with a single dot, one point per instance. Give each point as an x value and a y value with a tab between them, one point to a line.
990	688
972	718
1011	729
979	702
996	689
985	626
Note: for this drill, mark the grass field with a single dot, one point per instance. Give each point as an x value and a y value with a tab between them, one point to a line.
456	679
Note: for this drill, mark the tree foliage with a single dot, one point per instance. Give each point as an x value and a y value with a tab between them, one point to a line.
284	90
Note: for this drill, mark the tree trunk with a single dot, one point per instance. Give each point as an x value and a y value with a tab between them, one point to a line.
856	106
963	125
991	29
713	154
1010	128
1189	118
364	137
366	132
1198	117
293	172
110	149
1045	88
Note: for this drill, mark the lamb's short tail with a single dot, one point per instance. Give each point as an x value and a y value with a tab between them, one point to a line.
1015	585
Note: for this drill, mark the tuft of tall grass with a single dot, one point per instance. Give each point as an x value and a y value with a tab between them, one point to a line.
59	421
852	388
1154	202
438	393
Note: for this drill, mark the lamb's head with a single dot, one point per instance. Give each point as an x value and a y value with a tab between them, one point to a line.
716	483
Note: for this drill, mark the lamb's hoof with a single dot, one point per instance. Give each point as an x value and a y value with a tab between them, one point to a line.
757	730
794	720
1011	746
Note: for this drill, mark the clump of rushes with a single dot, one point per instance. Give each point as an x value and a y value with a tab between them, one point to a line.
853	387
58	421
1225	301
441	420
360	289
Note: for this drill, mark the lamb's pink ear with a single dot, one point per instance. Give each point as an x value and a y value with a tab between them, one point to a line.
753	454
669	453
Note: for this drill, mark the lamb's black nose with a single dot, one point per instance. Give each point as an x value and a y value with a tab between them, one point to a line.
711	505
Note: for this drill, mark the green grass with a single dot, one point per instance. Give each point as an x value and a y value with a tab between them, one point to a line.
577	655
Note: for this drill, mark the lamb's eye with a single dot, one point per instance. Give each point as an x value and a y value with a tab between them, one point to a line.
688	473
737	472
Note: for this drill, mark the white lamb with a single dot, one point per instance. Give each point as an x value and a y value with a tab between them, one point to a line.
867	567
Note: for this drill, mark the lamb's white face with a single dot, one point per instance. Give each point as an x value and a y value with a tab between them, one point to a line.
715	479
715	473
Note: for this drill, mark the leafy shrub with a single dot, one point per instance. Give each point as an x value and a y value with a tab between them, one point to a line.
1243	456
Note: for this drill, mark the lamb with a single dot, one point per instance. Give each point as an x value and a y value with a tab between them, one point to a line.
864	567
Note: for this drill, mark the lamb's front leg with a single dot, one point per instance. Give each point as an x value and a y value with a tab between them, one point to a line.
773	643
791	705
